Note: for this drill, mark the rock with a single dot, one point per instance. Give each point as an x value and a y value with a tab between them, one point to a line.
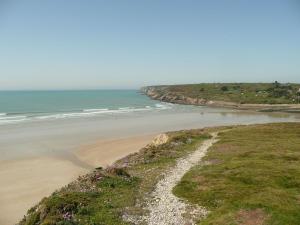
159	140
118	171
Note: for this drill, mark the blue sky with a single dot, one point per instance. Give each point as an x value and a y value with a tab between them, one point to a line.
72	44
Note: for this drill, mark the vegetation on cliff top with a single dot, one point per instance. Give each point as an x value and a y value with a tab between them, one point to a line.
252	177
243	93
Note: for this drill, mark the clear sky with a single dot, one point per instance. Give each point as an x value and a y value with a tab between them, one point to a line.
72	44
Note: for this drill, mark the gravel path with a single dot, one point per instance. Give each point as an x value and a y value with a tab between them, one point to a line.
165	208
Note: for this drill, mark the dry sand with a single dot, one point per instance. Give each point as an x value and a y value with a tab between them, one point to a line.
105	152
24	182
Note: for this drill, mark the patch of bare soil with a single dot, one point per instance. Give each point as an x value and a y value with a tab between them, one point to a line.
251	217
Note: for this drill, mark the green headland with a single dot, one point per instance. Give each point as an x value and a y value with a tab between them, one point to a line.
258	96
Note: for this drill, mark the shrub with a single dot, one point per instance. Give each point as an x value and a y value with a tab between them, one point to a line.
224	88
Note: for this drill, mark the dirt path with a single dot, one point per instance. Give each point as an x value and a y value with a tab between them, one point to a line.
165	208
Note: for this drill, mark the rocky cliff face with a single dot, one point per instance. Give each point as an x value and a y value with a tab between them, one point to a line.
160	93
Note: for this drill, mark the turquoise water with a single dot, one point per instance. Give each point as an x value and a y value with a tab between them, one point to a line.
18	106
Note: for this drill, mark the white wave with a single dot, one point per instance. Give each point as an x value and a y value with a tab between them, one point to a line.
12	117
84	113
163	106
125	108
159	105
92	113
94	110
65	115
2	114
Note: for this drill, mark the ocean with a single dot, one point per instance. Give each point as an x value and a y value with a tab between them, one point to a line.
22	106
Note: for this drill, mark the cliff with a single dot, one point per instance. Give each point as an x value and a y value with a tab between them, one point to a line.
261	97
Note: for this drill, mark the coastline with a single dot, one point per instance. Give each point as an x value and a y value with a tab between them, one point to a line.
24	182
143	187
72	147
155	93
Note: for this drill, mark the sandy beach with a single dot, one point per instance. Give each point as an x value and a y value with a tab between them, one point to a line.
25	182
105	152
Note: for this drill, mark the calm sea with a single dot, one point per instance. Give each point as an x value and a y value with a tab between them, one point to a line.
21	106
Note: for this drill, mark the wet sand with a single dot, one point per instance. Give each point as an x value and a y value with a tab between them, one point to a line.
25	182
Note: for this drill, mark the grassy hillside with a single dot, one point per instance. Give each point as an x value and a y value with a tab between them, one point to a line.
253	177
242	93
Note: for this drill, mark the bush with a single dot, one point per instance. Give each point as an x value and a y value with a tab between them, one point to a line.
224	88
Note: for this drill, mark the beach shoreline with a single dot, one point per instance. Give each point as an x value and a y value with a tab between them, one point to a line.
24	182
38	158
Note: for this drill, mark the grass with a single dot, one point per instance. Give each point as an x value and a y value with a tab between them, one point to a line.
252	93
104	196
99	207
253	177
